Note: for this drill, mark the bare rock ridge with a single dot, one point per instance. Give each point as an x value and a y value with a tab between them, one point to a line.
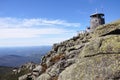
87	56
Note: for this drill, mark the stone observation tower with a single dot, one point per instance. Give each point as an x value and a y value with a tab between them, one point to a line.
96	20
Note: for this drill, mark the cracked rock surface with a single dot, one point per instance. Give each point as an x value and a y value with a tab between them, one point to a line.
87	56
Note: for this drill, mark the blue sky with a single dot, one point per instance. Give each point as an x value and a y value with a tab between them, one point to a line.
45	22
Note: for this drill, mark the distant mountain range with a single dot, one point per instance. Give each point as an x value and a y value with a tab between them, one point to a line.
14	57
15	60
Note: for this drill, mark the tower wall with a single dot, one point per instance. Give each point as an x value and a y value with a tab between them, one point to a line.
96	20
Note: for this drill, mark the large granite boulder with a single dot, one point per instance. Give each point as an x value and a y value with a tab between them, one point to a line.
44	77
99	67
102	45
107	29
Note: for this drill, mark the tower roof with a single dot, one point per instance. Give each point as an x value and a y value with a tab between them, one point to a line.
95	14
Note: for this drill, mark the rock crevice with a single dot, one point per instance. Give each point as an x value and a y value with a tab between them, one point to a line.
87	56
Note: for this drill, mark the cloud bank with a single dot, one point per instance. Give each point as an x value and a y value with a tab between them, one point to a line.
37	31
29	33
34	22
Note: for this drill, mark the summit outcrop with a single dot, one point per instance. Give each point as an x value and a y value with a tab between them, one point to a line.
88	56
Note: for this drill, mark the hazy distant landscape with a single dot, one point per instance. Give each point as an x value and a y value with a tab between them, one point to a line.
16	56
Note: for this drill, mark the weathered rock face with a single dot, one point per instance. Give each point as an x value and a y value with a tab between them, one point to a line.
102	45
26	68
108	29
88	56
97	61
44	77
99	67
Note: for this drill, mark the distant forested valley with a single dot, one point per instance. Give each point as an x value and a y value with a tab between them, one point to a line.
16	56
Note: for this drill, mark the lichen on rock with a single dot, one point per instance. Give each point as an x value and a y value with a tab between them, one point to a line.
87	56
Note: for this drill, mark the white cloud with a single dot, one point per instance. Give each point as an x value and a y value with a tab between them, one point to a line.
18	32
29	32
8	22
35	42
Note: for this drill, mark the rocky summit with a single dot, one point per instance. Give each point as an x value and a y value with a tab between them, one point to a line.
87	56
